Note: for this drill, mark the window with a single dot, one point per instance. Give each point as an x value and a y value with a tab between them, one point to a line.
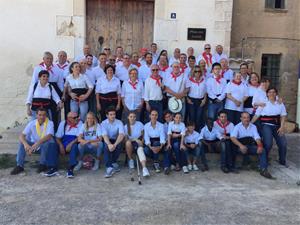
270	65
275	4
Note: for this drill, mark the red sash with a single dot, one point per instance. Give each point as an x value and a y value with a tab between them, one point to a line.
207	57
157	80
223	126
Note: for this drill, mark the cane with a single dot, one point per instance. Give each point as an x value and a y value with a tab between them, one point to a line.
138	170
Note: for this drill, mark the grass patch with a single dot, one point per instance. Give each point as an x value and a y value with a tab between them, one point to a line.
7	161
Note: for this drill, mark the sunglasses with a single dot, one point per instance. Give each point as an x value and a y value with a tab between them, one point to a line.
197	71
207	48
107	49
73	117
112	60
155	69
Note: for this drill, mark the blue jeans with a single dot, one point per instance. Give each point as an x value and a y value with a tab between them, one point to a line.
73	155
81	108
111	157
48	154
233	116
179	154
218	146
90	149
157	105
155	156
195	112
214	108
252	150
268	132
195	152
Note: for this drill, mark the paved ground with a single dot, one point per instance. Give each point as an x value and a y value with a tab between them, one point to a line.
197	198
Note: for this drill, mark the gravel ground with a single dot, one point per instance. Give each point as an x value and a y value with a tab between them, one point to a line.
196	198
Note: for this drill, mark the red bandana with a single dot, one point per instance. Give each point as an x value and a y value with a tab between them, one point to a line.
223	126
182	68
174	76
63	66
71	125
164	68
218	79
133	84
237	83
195	81
137	64
223	72
157	79
49	69
207	57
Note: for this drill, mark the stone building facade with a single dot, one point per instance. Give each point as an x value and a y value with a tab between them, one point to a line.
268	32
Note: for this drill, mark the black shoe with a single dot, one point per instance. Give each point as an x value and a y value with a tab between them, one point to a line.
224	169
233	170
167	170
265	173
204	168
41	168
17	170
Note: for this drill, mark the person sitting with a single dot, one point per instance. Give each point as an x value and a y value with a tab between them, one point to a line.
191	143
37	137
66	138
211	141
176	133
154	137
272	118
247	141
113	135
225	127
90	141
134	132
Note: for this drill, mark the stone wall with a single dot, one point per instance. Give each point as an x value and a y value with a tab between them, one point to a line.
270	32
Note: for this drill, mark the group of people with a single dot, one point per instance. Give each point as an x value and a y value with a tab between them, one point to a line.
150	104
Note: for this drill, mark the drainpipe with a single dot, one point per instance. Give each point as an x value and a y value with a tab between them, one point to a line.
298	97
243	40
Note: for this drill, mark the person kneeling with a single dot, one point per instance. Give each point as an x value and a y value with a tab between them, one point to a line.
90	141
66	138
247	141
211	141
37	137
113	135
134	131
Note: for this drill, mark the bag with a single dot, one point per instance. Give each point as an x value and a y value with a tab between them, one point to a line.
88	162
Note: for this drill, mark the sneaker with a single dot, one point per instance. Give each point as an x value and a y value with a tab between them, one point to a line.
131	164
190	167
70	174
185	169
17	170
78	166
224	169
146	172
96	165
109	172
265	173
116	167
156	167
195	167
41	168
233	170
167	170
52	172
173	167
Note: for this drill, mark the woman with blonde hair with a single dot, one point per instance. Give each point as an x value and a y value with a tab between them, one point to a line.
90	140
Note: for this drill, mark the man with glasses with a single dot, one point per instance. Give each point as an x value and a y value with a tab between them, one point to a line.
122	70
86	51
153	93
66	138
219	54
206	56
175	57
153	51
112	60
244	72
107	52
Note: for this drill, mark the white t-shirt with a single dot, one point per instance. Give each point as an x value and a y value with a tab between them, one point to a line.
31	132
136	130
90	134
238	92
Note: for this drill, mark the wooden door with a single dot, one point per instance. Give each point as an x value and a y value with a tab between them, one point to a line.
126	23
